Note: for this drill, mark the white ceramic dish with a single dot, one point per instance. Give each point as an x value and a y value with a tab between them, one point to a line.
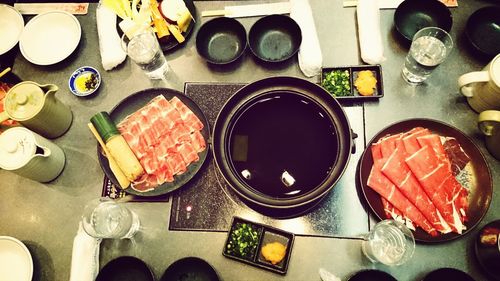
50	37
16	263
11	27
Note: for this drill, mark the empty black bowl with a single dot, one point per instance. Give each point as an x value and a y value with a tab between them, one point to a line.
447	274
190	269
483	30
274	38
221	40
372	275
412	15
125	269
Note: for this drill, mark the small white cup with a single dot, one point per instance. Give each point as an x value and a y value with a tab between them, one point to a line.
389	242
106	218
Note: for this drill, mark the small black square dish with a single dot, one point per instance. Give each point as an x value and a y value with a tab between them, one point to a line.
365	82
259	245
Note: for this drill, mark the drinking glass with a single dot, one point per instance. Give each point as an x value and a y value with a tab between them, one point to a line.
143	48
106	218
389	242
430	47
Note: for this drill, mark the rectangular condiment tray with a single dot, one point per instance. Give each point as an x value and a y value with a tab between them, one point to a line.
266	234
353	75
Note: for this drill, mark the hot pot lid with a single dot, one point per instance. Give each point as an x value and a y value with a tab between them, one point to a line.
17	146
282	144
24	101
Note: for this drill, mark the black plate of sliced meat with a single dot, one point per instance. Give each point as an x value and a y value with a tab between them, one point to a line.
168	134
432	171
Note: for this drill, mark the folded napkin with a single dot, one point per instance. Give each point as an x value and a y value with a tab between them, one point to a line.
310	57
112	53
370	37
85	257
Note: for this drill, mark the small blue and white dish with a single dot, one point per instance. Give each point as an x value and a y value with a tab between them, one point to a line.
84	81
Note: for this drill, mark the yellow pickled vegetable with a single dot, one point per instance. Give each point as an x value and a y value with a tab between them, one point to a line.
365	83
160	24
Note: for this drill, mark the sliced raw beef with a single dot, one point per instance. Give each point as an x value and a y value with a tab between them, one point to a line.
396	170
410	139
435	179
454	189
458	158
385	188
165	137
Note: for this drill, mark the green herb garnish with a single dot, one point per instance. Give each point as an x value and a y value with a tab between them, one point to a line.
336	82
243	240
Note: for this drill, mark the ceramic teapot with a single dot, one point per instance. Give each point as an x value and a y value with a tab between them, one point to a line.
30	155
489	124
36	107
482	88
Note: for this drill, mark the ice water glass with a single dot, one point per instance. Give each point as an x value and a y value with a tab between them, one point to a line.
430	47
143	48
106	218
389	242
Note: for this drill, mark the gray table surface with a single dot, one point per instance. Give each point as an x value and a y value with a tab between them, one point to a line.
45	216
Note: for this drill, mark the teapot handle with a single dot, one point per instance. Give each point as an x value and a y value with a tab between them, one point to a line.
50	89
489	121
4	116
472	77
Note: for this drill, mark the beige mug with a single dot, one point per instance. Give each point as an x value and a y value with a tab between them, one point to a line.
482	88
489	124
36	107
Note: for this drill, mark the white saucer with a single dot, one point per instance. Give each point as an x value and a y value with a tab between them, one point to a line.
50	37
16	263
11	27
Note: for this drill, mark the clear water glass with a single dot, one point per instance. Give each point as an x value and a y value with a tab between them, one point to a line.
389	242
143	48
106	218
429	48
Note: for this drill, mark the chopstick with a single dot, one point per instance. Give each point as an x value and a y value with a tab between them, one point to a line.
5	71
122	179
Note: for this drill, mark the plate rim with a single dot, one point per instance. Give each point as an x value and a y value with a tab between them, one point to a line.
419	234
5	50
54	60
25	250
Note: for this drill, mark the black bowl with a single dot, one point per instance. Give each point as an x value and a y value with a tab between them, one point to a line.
413	15
487	248
190	269
125	269
372	275
483	30
447	274
221	40
274	38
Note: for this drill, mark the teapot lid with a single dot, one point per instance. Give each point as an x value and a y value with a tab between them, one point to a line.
17	147
23	101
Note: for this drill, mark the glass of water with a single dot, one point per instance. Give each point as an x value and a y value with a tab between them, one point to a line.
389	242
143	48
430	47
106	218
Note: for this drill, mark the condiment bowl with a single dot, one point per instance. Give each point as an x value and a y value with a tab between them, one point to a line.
412	15
483	30
84	81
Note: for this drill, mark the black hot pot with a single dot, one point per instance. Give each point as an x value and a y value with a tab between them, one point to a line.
282	142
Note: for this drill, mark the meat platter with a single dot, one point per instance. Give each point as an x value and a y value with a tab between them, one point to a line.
479	177
137	101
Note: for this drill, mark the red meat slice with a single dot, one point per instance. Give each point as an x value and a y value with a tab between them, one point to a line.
198	141
410	139
396	170
454	189
458	158
188	153
434	178
385	188
388	144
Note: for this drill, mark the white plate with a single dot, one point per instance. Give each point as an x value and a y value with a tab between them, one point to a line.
50	37
11	27
16	263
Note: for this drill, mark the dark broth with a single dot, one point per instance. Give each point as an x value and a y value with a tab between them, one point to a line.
283	144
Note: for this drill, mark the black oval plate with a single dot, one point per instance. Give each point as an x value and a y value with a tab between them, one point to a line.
130	105
170	43
447	274
125	269
479	195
